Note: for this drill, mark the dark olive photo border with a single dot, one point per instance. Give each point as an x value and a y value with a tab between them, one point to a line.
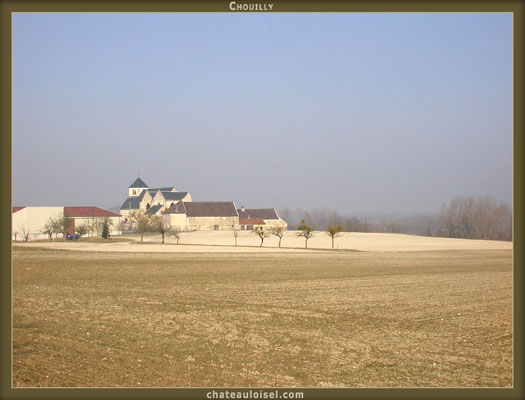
8	7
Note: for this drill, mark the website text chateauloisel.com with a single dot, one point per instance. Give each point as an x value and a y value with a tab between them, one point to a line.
253	394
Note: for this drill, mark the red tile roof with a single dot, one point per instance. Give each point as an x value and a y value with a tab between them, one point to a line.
251	221
15	209
88	212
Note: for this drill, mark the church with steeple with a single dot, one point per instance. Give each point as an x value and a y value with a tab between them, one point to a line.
151	200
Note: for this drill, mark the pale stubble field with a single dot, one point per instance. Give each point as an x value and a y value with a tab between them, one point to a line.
304	319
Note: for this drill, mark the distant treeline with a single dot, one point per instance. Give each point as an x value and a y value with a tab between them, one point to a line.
321	219
476	218
462	217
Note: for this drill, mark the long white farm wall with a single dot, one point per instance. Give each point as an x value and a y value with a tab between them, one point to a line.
32	220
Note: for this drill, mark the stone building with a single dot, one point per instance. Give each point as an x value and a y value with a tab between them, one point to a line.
212	215
175	217
260	218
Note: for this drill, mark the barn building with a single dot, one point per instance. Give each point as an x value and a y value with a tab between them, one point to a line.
260	219
84	216
212	215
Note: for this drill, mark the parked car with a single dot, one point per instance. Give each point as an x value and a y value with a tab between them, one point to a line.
74	236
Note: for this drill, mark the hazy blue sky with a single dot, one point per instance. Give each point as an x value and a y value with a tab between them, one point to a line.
354	112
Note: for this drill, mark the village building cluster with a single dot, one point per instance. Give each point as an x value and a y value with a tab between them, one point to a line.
177	210
180	212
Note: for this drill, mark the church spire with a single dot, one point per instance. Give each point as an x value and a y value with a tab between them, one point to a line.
137	187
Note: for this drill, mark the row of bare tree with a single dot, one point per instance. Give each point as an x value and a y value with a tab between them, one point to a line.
60	223
143	222
462	217
476	218
320	218
303	230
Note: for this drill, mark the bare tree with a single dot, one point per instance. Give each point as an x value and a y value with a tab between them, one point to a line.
15	234
235	234
24	231
64	222
306	231
81	230
321	217
91	226
476	218
159	225
99	225
279	232
48	229
177	234
56	225
121	226
333	232
262	234
143	222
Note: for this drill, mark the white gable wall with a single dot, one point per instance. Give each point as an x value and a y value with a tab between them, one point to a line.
34	218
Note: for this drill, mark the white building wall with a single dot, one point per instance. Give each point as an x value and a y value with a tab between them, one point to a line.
34	219
177	221
273	223
135	192
126	213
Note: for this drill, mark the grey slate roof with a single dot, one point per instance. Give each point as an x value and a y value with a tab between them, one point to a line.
163	189
168	195
153	209
132	203
264	213
139	183
211	209
174	195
